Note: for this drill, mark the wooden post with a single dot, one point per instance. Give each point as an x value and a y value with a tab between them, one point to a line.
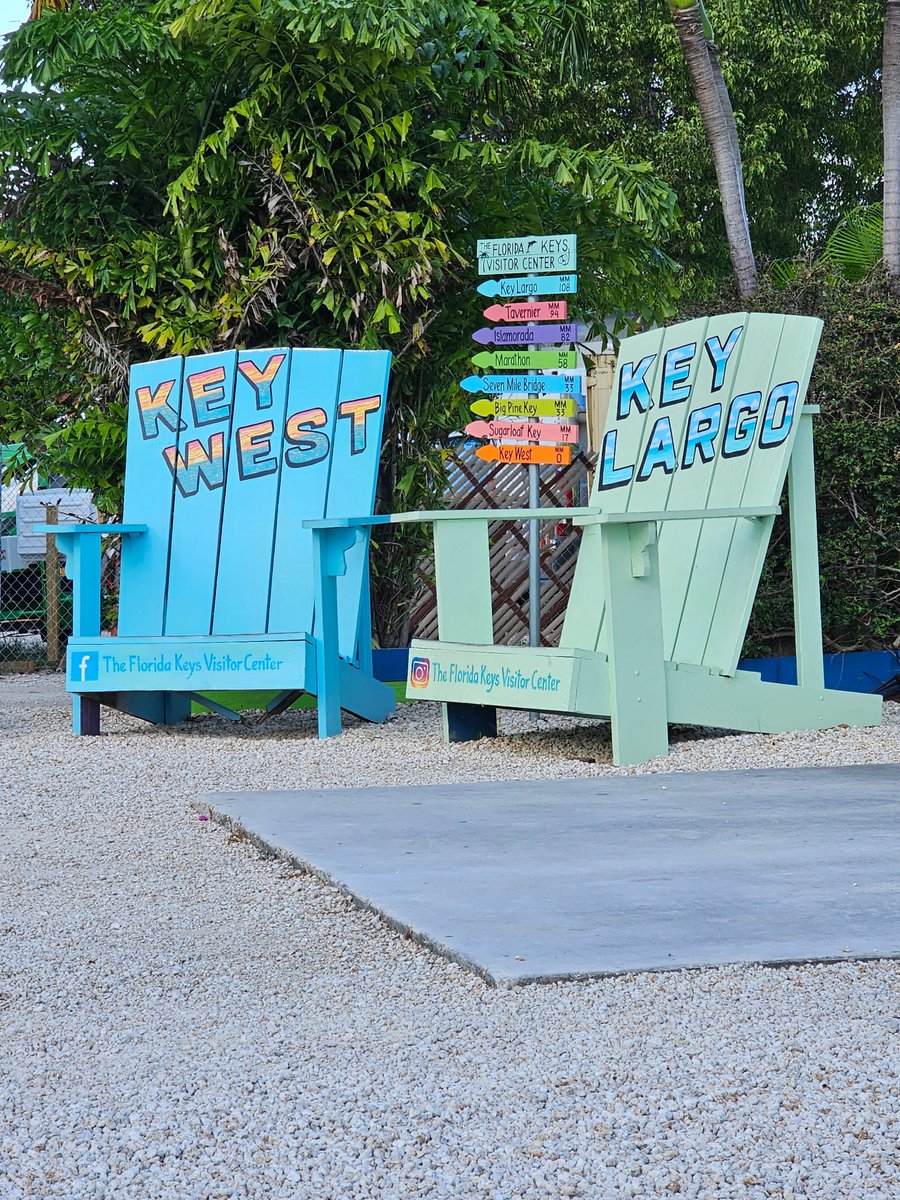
51	589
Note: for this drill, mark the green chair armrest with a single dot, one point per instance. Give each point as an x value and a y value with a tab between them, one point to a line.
455	514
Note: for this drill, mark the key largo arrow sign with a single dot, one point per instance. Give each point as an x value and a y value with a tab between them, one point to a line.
539	310
531	431
537	285
526	406
523	335
523	385
512	360
560	456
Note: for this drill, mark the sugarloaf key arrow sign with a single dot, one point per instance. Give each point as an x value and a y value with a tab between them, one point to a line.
531	431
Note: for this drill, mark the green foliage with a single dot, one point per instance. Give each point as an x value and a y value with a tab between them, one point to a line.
856	381
206	174
806	96
856	245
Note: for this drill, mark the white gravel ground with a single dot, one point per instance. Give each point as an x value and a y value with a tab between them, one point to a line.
181	1019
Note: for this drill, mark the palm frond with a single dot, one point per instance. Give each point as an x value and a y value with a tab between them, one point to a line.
857	243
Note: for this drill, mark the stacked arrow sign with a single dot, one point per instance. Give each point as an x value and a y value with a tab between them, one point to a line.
517	402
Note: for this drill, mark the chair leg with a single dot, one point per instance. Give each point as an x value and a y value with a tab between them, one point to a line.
85	716
468	722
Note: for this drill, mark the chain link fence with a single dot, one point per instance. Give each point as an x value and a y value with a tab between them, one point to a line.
35	604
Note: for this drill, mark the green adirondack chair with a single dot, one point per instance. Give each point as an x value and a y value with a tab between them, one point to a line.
706	420
226	453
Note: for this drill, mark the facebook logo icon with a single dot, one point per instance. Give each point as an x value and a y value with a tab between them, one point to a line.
85	666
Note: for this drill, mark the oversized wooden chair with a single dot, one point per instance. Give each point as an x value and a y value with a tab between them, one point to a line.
226	455
706	420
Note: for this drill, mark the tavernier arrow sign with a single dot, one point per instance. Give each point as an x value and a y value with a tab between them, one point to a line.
559	456
540	310
512	360
526	406
532	431
522	335
523	385
517	254
538	285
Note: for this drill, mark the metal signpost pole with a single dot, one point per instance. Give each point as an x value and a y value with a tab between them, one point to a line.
534	546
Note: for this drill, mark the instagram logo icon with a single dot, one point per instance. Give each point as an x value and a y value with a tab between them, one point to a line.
419	671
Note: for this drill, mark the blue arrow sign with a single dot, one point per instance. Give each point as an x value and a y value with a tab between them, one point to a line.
536	285
523	385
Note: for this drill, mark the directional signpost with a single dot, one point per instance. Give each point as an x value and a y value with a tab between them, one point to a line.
537	285
517	403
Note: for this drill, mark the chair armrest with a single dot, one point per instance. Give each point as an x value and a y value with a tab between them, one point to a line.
453	514
677	514
84	530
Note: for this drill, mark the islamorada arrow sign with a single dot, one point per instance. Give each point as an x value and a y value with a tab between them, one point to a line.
525	406
560	456
538	310
537	285
530	431
523	385
522	335
514	360
514	255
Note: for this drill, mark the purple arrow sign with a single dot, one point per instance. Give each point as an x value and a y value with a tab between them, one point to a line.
523	335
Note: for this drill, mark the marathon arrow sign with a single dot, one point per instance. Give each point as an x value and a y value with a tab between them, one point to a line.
512	360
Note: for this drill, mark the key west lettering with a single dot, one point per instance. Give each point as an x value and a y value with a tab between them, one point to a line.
687	424
207	434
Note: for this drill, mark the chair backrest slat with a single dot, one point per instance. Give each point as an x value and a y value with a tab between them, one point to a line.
702	415
243	577
153	418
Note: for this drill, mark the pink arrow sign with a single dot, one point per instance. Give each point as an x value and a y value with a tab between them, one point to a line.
535	310
529	431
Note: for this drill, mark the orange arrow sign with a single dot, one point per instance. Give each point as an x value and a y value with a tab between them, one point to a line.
531	431
559	456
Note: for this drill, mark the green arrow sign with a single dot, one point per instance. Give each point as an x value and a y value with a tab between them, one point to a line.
509	406
512	360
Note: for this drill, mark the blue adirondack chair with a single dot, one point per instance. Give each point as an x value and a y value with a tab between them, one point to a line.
227	454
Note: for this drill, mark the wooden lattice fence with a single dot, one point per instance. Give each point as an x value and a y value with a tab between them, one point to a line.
474	483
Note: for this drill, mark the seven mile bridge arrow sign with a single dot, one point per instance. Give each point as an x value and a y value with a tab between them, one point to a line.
523	385
517	255
523	360
535	285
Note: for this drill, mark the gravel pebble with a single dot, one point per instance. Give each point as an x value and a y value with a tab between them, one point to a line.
181	1019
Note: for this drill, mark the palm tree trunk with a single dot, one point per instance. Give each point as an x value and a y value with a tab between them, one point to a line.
718	124
890	107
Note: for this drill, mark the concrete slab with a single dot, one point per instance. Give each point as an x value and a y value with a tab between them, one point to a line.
575	878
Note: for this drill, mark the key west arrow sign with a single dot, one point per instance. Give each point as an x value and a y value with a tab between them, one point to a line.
559	456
